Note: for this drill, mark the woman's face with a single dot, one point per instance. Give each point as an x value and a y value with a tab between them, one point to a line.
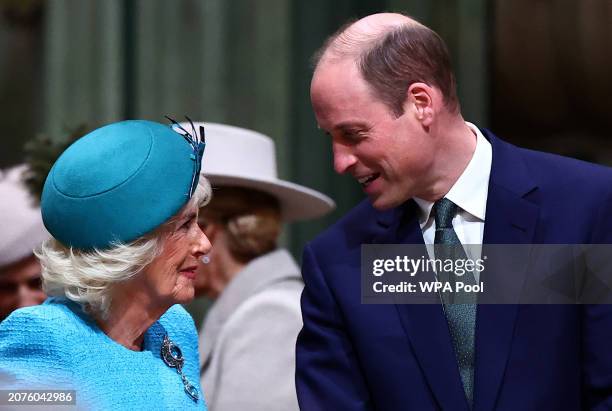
170	276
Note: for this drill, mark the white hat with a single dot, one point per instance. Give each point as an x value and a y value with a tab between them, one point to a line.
239	157
20	219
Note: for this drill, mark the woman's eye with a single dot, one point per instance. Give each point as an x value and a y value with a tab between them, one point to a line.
187	224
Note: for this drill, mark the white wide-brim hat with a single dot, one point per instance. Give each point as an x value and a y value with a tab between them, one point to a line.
20	218
239	157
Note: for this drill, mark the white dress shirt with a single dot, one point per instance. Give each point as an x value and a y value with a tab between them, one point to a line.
469	193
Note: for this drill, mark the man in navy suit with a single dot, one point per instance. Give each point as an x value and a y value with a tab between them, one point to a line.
384	91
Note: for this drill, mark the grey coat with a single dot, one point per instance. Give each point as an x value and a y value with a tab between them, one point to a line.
247	343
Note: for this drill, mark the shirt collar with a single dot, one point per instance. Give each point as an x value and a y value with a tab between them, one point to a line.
471	188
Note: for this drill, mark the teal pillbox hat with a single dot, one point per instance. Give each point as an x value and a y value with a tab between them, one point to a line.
118	183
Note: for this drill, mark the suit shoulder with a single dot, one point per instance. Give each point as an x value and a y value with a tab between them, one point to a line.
557	169
354	224
271	302
271	316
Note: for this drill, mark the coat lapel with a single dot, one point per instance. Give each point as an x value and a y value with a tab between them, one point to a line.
511	218
425	324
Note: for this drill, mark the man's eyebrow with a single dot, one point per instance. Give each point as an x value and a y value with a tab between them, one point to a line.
351	125
346	126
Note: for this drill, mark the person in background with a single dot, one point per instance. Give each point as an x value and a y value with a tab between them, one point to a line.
22	230
121	205
248	339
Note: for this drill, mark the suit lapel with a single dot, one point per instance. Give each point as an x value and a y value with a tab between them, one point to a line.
511	218
425	324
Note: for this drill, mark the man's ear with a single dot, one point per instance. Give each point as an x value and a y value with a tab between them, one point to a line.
421	100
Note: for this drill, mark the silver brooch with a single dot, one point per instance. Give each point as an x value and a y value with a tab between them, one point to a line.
173	357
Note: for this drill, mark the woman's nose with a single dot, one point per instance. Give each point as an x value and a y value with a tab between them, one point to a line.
202	244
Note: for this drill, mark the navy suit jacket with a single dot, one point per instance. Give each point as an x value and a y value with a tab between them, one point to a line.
353	356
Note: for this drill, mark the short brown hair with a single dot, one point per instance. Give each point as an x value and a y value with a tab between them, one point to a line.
402	56
407	55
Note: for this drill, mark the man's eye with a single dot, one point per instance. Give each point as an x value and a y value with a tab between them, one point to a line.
355	136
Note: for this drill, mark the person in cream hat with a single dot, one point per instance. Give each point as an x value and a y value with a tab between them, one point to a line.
248	159
22	232
247	342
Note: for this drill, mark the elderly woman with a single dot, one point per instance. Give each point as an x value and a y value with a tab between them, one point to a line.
248	343
122	205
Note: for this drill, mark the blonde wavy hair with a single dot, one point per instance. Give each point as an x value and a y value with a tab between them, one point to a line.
88	277
250	218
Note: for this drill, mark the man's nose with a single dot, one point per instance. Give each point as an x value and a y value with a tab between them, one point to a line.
343	158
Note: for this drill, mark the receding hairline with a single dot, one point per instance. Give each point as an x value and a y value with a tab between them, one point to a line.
357	37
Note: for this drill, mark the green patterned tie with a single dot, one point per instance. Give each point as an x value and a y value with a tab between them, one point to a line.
460	309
